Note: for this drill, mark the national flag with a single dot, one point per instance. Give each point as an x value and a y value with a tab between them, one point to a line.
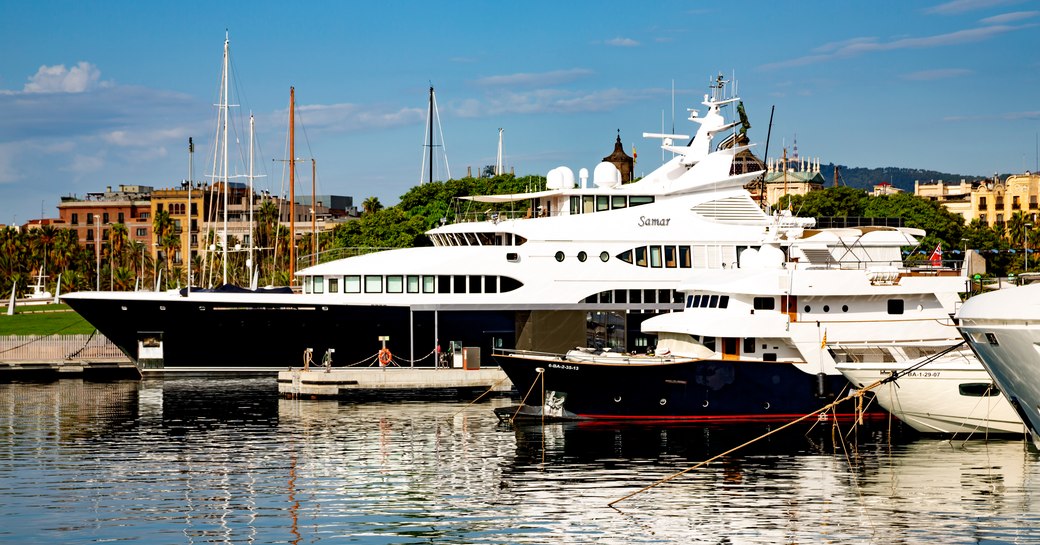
936	257
823	343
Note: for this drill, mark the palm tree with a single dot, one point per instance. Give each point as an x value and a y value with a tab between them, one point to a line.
118	241
162	226
371	204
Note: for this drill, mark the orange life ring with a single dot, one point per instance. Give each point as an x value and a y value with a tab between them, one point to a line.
385	357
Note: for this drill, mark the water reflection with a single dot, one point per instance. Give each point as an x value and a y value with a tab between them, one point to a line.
204	460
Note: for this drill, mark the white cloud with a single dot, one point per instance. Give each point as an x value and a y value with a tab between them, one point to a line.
346	117
864	45
84	164
1009	17
622	42
538	79
939	73
58	79
961	6
547	101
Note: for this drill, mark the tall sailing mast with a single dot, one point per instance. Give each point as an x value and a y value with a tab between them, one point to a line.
292	185
225	107
432	114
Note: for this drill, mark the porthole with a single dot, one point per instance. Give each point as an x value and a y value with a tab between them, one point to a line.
844	308
582	256
123	307
663	402
162	307
765	405
325	308
559	256
826	308
202	308
604	257
617	399
705	403
807	308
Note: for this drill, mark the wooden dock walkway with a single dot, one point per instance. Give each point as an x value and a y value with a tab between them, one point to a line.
412	382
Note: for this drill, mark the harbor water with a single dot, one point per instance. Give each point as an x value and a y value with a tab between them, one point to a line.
226	460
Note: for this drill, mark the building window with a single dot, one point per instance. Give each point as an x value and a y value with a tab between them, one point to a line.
90	218
90	234
122	218
142	232
104	217
75	219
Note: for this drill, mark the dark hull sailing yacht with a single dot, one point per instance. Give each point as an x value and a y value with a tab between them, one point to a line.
597	258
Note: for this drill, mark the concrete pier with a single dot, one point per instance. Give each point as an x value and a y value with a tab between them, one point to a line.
94	369
399	381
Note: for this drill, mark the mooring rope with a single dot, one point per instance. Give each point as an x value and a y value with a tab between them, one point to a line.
855	394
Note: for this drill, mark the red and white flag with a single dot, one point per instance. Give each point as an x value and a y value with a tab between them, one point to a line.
936	258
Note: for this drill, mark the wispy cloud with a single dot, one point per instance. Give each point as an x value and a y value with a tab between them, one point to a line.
939	73
547	101
536	79
864	45
1006	116
955	7
347	117
1009	17
622	42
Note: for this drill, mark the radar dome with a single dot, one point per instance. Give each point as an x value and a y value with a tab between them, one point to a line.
771	257
606	175
583	175
554	179
568	178
749	259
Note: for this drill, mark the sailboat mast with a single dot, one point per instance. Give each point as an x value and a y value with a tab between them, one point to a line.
226	188
314	208
252	133
430	118
191	174
292	185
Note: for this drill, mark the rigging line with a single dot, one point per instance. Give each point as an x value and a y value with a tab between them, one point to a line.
486	392
524	400
817	412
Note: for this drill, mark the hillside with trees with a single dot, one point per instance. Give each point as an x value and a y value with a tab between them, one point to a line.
902	178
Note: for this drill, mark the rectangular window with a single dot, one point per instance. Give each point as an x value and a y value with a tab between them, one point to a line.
75	219
602	203
395	284
723	301
352	284
373	283
490	284
765	303
689	301
618	201
649	296
714	301
684	258
413	284
655	257
621	296
605	296
696	302
669	257
637	200
895	306
319	284
142	232
458	284
333	285
90	234
90	218
443	283
122	218
104	217
575	205
635	296
588	204
475	283
429	284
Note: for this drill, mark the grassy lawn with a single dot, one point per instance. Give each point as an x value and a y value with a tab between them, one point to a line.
43	320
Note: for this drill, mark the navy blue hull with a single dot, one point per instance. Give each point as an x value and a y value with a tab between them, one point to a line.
260	335
692	390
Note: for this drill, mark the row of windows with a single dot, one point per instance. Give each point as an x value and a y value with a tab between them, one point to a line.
707	301
659	256
895	306
375	283
587	204
635	296
477	239
104	218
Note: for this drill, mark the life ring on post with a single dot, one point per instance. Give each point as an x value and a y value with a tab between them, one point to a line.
385	357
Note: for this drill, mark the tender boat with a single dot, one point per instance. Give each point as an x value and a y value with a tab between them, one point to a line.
1003	328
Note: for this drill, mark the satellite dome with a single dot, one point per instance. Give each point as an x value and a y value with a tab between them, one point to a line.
606	175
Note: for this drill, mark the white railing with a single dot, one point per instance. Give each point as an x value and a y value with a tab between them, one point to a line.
58	348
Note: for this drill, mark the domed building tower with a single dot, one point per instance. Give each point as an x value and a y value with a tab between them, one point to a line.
621	160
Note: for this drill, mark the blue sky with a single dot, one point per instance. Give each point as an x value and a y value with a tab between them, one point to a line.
96	94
